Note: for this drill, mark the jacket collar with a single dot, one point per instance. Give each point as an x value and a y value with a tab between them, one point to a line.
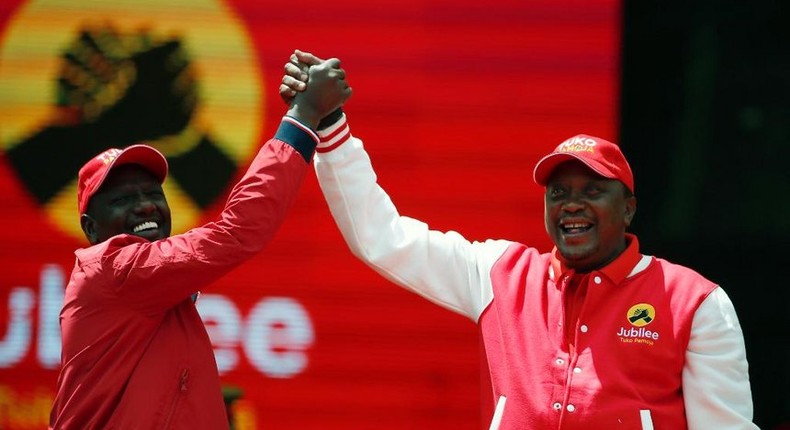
626	264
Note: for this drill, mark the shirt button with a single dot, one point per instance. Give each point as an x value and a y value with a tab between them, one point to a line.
571	408
583	328
577	370
560	362
597	279
557	406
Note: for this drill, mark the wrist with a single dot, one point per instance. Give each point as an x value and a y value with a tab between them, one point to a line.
334	135
298	135
330	119
307	117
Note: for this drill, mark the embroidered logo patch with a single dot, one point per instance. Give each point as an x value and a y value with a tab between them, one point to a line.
639	316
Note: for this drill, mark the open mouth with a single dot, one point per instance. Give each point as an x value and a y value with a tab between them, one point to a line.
148	225
571	228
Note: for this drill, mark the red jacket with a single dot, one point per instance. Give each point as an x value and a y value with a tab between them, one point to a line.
623	374
135	352
656	345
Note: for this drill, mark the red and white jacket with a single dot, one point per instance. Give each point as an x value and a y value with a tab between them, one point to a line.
657	346
135	352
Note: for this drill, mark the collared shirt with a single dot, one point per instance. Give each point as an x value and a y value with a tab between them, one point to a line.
576	284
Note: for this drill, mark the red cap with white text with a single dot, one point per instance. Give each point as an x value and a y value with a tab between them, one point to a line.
602	156
95	171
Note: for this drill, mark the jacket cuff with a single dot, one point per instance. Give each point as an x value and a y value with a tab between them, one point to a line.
301	137
334	135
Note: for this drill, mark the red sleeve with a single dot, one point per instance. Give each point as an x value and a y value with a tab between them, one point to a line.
154	276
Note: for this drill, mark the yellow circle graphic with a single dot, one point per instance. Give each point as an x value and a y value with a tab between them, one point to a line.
641	314
79	76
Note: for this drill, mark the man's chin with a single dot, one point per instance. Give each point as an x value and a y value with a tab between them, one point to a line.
151	235
574	257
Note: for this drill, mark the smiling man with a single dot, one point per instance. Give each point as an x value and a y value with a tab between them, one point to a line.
121	192
592	335
589	201
135	352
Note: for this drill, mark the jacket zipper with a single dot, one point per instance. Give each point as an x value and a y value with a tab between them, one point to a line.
182	388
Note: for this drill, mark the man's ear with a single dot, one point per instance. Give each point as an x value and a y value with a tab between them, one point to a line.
88	225
630	210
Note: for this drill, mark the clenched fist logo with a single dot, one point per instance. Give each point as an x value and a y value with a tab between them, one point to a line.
641	314
71	88
115	90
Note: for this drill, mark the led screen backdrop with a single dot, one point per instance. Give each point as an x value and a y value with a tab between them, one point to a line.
456	101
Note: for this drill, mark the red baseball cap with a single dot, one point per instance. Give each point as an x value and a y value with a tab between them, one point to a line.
602	156
95	171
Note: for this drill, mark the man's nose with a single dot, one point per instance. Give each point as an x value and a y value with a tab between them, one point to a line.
574	203
144	204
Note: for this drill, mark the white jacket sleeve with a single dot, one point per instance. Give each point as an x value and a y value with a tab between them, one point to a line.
442	267
716	386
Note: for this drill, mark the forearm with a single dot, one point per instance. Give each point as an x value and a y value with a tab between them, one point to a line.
443	267
256	207
258	204
716	386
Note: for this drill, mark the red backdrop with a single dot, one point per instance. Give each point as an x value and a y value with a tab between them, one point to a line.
456	101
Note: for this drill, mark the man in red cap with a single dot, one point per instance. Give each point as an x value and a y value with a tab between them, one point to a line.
135	352
592	335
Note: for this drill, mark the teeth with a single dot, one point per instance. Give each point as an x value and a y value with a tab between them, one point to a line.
145	226
576	225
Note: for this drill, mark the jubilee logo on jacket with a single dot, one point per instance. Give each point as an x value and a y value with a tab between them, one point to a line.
636	328
78	77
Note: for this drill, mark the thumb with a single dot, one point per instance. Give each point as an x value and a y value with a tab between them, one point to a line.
333	63
307	58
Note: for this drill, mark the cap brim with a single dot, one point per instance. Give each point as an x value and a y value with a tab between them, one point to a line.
143	155
146	156
547	164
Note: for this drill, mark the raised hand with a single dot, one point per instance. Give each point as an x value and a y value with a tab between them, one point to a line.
326	90
115	89
295	78
96	71
129	81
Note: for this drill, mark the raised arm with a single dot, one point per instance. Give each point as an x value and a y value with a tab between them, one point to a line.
443	267
170	270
